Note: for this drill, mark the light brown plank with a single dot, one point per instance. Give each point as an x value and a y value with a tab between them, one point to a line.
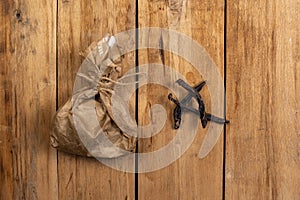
27	99
189	177
79	24
263	86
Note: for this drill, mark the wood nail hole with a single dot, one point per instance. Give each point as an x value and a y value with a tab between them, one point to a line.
18	15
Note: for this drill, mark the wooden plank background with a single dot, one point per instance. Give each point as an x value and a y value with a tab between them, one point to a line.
78	27
204	22
263	101
28	70
255	44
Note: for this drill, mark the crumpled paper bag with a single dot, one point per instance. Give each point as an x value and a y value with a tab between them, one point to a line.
73	129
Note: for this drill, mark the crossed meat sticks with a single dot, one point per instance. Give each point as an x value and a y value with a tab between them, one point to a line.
182	105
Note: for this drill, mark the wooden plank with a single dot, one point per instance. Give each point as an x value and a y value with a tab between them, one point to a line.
79	24
189	177
263	100
27	99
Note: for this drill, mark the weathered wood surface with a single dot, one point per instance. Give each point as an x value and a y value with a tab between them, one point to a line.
27	99
262	81
79	24
263	100
189	177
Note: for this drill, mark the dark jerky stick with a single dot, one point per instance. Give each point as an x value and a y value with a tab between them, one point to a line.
215	119
177	111
193	92
188	97
180	106
198	97
185	100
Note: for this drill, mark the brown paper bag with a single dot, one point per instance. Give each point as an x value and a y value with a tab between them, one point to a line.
73	129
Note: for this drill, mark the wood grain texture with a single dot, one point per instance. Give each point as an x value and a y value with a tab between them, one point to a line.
263	101
79	24
189	177
27	99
